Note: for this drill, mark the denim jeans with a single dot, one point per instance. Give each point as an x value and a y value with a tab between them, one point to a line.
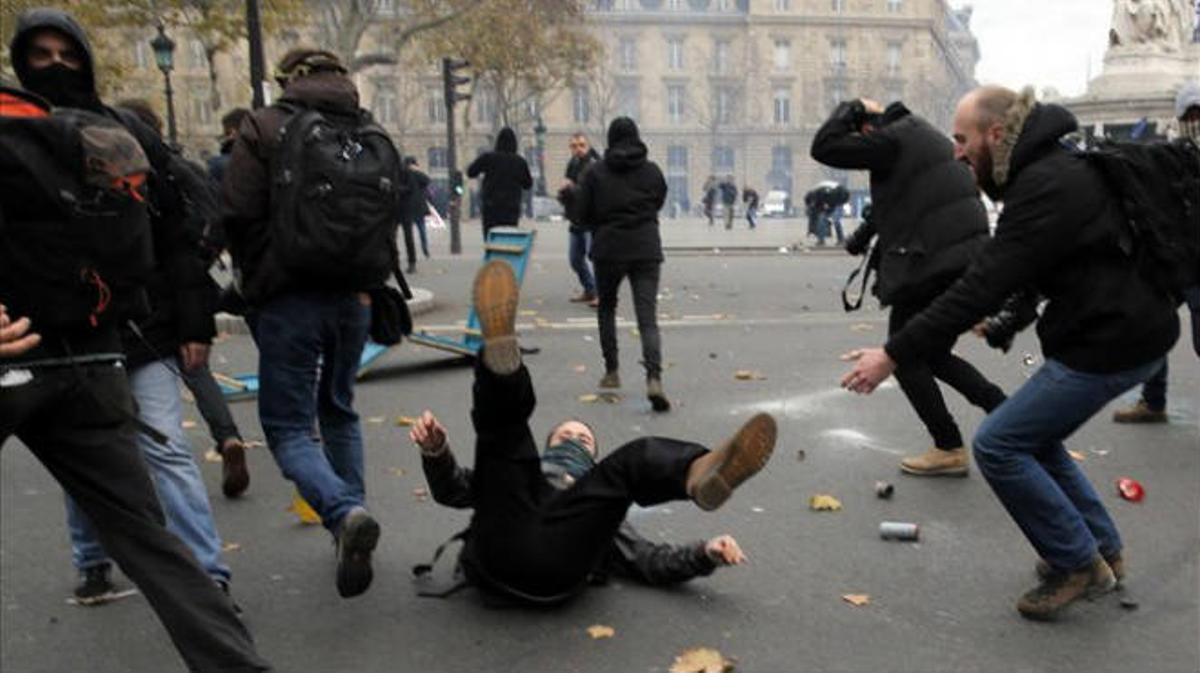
752	216
173	469
643	281
309	347
581	243
1019	449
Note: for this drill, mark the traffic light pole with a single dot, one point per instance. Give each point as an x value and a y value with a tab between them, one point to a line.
452	165
257	67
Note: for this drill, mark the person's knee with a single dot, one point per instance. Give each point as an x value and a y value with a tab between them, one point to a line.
992	452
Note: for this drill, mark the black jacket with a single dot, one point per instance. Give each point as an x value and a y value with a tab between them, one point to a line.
619	199
505	177
926	209
630	554
180	289
415	207
1060	234
575	169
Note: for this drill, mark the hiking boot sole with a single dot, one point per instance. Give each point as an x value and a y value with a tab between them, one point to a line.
359	536
742	457
496	297
235	477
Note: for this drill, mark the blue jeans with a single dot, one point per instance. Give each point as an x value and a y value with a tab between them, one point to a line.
581	242
1019	449
309	347
1154	393
176	477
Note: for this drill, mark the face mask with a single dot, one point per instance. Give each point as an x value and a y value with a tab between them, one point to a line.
568	458
62	86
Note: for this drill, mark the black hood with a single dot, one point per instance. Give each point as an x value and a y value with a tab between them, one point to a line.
626	151
894	112
506	141
33	20
1043	128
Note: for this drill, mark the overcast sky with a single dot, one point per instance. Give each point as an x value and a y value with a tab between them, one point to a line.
1046	43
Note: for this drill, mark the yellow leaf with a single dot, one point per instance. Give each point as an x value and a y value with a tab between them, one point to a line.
589	397
857	600
231	546
405	421
701	660
527	312
1077	455
749	375
598	631
303	511
396	471
824	503
211	456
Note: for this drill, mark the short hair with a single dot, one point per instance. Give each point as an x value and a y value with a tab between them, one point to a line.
579	135
572	419
144	111
231	120
992	104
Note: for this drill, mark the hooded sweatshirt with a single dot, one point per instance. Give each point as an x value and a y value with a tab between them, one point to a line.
619	199
180	290
505	177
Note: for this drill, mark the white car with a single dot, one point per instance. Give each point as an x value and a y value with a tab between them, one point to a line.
775	205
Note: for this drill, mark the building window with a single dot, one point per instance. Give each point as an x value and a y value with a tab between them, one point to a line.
384	105
435	107
438	160
628	100
627	52
723	105
581	104
837	54
783	106
675	103
141	55
783	54
485	106
675	53
782	5
674	5
780	176
197	56
722	159
725	5
837	93
201	108
838	6
677	176
893	58
895	5
721	56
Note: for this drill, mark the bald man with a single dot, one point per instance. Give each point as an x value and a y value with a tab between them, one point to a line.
1104	330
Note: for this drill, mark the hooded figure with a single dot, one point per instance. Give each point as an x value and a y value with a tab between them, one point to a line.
58	83
505	176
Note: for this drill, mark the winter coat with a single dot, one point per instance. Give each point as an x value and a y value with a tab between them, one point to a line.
505	177
619	200
926	208
728	193
575	169
1059	233
247	184
218	164
750	198
415	207
180	291
630	555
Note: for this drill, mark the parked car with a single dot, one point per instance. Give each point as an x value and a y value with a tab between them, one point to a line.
776	204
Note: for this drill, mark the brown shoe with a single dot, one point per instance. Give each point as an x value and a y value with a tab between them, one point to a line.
1115	562
658	398
583	297
496	299
713	476
235	478
937	463
1139	413
1047	601
611	380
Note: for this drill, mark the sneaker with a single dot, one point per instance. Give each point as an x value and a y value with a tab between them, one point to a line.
95	585
611	380
713	476
654	392
357	537
1115	562
496	299
584	297
1061	588
235	478
937	463
1140	413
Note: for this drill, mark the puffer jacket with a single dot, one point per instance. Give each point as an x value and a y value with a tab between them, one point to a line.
505	177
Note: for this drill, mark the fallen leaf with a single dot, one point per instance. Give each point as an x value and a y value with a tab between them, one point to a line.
303	511
861	327
1077	455
212	456
857	600
376	420
188	424
701	660
610	398
598	631
231	546
421	493
589	398
749	375
405	421
396	471
580	368
824	503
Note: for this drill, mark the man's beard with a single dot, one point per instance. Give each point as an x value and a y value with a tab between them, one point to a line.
62	86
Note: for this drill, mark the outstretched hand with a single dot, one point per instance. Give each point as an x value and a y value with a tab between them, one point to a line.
872	366
14	336
428	433
724	550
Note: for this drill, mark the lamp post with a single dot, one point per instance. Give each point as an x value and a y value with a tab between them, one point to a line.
539	133
164	56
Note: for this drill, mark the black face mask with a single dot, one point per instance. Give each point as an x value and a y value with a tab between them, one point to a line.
62	86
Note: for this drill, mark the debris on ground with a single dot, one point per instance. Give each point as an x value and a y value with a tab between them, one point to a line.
823	502
421	493
701	660
303	511
857	600
405	421
749	375
598	631
1130	489
231	546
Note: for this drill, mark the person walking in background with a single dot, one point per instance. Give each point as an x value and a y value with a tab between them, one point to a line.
230	122
729	195
709	198
505	177
582	156
618	200
750	198
413	210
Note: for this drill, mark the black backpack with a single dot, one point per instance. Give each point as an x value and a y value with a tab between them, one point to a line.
90	253
334	199
1158	186
201	198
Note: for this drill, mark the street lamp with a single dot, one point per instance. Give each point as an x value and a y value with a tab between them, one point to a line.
539	132
164	56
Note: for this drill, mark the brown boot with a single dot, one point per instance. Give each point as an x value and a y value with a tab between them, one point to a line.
611	379
1139	413
1116	562
658	398
1061	588
496	298
937	463
584	297
235	478
713	476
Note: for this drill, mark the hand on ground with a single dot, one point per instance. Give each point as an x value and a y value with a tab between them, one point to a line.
724	550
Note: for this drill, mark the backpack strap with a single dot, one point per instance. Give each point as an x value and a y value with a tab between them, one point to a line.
865	268
421	571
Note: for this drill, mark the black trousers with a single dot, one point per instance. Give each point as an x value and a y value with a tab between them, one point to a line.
534	538
410	248
643	282
917	381
79	425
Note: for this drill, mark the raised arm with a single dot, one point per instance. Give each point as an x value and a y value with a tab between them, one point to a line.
449	484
